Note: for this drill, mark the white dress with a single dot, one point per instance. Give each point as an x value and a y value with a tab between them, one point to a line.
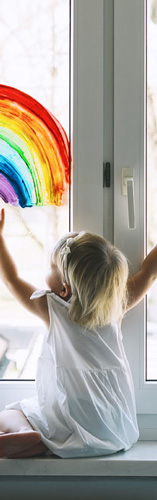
85	402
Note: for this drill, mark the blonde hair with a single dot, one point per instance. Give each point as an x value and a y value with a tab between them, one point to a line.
97	274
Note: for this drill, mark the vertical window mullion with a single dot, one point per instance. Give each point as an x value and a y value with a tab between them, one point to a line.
87	115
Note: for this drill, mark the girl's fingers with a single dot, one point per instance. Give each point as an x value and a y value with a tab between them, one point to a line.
2	219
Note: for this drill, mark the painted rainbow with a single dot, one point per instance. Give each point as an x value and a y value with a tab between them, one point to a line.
34	152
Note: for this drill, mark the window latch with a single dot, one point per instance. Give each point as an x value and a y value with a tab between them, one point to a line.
106	174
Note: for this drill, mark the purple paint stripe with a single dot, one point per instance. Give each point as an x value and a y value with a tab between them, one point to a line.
7	192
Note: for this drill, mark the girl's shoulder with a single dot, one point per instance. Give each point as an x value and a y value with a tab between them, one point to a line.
51	296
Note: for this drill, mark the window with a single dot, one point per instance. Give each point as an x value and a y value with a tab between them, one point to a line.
94	136
130	140
34	53
123	76
86	135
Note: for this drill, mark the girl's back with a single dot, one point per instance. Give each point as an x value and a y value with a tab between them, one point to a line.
85	389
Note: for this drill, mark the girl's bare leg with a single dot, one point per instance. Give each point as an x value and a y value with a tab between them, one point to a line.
17	437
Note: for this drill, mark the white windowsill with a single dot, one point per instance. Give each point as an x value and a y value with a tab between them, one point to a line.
140	460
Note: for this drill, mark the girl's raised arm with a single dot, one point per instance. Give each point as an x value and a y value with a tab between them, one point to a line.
17	286
139	284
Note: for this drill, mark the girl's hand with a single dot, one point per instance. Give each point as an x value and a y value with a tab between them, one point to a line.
149	265
139	284
2	221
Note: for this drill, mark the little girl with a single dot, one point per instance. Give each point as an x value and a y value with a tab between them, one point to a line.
84	403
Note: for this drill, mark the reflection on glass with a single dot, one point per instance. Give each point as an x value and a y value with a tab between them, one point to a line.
34	57
152	180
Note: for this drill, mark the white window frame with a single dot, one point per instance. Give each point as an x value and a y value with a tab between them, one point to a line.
86	138
129	151
94	137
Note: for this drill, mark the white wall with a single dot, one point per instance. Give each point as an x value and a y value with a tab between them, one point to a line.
78	488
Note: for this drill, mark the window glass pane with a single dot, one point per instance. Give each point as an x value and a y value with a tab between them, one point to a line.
34	58
152	180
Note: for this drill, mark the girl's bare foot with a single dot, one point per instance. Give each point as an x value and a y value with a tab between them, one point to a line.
36	450
14	443
17	437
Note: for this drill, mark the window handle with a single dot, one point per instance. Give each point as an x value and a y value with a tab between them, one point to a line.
131	203
128	190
